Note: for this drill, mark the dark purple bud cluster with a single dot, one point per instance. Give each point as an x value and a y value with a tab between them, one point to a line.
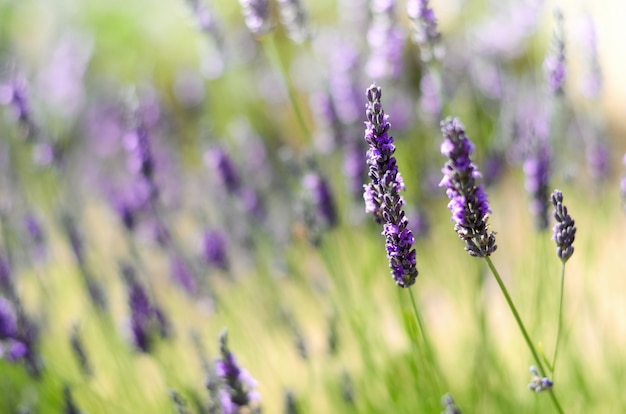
468	202
214	249
564	229
382	195
237	385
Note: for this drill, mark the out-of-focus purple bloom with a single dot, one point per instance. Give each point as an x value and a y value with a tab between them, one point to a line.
238	387
537	382
537	172
8	321
214	249
424	29
252	203
493	167
6	280
182	274
145	322
419	224
554	63
468	202
35	233
591	83
293	17
140	159
382	195
430	101
598	160
564	231
13	350
518	21
488	77
221	165
354	169
257	14
386	41
321	197
13	93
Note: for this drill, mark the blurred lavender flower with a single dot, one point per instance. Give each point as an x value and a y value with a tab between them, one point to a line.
238	387
6	280
140	158
257	14
37	237
386	41
494	165
321	198
79	351
564	229
293	17
220	163
13	94
419	223
182	273
214	249
382	196
591	84
538	383
450	407
537	172
598	159
424	29
430	100
146	320
8	321
468	202
554	63
354	168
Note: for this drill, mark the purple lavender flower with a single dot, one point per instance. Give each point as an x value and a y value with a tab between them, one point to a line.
564	229
182	273
214	249
8	321
386	41
145	321
425	32
257	14
13	350
537	382
141	160
238	387
354	168
294	19
13	94
36	234
382	195
554	63
598	159
468	202
220	163
321	197
537	171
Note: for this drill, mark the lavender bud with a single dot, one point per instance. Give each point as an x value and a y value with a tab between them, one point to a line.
449	405
554	63
468	202
537	382
257	14
238	386
564	229
294	19
382	195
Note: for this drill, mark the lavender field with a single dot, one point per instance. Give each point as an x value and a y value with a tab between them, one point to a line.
334	206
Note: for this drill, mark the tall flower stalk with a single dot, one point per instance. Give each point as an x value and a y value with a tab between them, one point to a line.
382	195
470	211
564	234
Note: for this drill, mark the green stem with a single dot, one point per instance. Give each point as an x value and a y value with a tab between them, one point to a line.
560	326
522	328
274	55
426	341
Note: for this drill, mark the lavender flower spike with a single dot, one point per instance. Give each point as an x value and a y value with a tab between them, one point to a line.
554	64
382	195
424	28
468	202
238	385
564	230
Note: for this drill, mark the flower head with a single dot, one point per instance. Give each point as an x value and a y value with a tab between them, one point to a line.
554	64
564	230
382	195
468	202
257	15
424	25
238	385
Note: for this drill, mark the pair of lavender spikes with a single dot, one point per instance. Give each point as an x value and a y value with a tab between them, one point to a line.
382	195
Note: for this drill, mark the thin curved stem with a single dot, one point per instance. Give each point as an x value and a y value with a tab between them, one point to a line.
560	326
522	328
